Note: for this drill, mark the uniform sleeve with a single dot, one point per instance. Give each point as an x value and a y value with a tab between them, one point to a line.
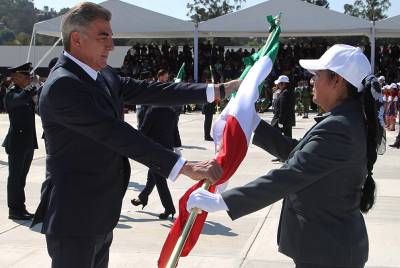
328	150
271	140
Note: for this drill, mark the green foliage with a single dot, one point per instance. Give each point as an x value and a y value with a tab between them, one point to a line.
202	10
19	16
7	37
323	3
372	10
23	39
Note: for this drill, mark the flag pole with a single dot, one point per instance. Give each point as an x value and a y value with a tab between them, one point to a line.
176	253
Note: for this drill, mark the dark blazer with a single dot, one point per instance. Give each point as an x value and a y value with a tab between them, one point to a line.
321	183
88	143
21	134
284	109
159	125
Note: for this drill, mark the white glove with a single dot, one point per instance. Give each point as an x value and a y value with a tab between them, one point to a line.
206	201
280	125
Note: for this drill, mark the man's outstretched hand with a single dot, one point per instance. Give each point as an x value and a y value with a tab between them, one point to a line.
200	170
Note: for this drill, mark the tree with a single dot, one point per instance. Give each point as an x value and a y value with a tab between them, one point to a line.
372	10
6	36
201	10
323	3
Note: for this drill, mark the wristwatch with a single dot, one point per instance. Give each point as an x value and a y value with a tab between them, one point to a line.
222	91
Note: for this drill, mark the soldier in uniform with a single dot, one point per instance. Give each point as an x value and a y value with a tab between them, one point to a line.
21	138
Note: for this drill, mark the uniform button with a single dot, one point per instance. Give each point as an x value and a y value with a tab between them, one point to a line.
20	131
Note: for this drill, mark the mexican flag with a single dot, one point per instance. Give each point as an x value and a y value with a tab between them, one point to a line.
232	132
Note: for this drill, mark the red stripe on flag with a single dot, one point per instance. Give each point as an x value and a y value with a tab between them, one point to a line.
234	149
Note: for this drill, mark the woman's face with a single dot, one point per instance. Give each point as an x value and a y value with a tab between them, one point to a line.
328	89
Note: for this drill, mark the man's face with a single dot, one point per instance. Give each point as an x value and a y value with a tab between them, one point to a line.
163	78
21	79
93	45
282	85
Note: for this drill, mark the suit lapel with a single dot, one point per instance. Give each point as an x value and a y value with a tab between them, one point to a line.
71	66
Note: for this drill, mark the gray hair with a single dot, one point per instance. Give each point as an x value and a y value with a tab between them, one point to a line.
79	18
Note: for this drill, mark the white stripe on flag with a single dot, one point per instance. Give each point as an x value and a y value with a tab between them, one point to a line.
242	105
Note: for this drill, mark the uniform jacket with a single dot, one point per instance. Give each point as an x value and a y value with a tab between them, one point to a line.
88	143
321	183
21	135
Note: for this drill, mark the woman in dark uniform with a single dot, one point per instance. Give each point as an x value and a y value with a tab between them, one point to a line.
326	181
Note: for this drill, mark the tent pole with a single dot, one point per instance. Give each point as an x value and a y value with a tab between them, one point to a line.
372	41
30	45
196	52
46	54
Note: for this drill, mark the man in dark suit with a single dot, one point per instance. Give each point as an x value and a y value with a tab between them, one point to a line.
208	110
284	109
87	168
20	141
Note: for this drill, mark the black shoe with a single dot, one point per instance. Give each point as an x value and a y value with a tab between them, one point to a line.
395	145
165	214
275	160
22	215
208	139
137	202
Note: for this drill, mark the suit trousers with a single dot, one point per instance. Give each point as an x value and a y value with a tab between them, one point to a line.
311	265
207	124
79	251
287	130
154	179
18	166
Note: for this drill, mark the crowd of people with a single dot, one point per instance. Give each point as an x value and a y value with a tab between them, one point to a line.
227	63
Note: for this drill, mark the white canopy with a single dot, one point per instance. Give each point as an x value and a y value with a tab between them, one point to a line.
298	19
130	21
389	27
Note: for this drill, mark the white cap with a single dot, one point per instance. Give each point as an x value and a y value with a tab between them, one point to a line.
381	78
393	86
282	79
347	61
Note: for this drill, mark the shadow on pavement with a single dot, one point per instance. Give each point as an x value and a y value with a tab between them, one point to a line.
193	147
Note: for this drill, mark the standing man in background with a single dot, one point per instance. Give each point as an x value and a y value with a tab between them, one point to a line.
284	108
20	141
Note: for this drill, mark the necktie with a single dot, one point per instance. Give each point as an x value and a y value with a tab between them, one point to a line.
102	84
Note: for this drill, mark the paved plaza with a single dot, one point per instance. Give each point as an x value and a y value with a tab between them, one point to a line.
247	242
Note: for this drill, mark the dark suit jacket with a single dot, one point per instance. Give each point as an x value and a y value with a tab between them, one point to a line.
321	183
21	135
284	109
159	125
88	143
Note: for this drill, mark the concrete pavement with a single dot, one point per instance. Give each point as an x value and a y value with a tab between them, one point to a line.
247	242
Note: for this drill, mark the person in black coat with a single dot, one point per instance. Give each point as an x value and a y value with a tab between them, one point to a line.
159	124
20	141
284	112
326	182
89	143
